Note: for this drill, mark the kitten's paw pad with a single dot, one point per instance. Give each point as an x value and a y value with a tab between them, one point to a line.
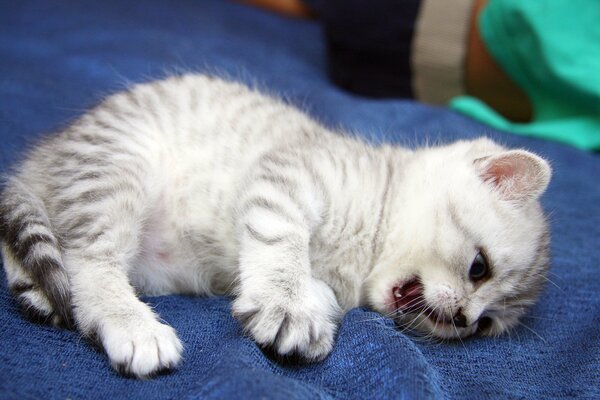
142	350
303	326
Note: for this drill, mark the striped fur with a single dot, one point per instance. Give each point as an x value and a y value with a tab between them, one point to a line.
202	186
33	258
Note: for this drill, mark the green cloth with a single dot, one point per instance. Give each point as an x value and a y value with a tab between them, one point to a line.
551	49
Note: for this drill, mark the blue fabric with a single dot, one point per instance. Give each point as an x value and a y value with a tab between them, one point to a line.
59	57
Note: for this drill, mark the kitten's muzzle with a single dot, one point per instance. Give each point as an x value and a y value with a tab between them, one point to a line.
459	320
409	298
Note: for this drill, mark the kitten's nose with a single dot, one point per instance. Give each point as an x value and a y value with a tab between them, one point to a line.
460	320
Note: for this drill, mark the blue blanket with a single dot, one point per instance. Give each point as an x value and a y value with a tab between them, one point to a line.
59	57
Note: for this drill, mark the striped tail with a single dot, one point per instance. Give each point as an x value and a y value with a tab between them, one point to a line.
32	256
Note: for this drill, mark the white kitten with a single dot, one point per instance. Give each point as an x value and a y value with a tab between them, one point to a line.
198	185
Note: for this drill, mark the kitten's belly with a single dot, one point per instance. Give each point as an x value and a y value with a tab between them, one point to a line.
183	258
188	245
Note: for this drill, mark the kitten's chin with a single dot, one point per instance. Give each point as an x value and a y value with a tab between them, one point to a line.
421	325
424	326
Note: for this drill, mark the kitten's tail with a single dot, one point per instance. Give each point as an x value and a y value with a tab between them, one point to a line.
32	256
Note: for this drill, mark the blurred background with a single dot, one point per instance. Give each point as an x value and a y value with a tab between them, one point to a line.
412	72
528	67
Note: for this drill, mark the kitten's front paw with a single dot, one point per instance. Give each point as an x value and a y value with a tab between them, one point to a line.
303	325
141	349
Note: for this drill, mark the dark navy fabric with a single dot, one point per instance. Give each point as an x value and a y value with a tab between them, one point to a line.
369	44
59	57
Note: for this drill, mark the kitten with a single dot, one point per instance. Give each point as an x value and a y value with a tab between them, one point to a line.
201	186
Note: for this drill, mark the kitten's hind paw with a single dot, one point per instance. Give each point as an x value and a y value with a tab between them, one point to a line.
304	326
142	350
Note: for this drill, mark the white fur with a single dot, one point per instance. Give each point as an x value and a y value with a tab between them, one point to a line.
425	240
215	188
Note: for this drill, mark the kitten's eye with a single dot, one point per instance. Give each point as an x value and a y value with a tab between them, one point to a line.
479	268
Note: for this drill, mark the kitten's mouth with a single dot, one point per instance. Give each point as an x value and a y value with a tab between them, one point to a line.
409	297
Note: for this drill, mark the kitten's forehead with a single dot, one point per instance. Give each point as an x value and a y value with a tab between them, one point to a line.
469	217
456	213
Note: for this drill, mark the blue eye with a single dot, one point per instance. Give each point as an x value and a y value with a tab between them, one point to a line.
479	268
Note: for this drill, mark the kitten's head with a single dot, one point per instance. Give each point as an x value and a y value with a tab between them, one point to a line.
467	243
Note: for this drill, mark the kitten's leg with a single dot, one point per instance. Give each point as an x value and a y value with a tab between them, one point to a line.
279	302
107	309
102	241
32	257
33	301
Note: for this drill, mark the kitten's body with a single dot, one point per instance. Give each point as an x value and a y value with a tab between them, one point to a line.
197	185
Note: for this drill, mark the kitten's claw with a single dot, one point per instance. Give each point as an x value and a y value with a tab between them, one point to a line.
143	349
303	326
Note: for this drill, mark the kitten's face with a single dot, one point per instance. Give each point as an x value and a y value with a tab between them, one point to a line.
467	248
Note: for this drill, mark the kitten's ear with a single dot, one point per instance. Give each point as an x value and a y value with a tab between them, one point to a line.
517	175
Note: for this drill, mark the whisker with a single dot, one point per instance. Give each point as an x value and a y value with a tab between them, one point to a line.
509	334
458	336
533	331
517	332
552	282
391	314
424	319
377	317
541	318
415	301
409	325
